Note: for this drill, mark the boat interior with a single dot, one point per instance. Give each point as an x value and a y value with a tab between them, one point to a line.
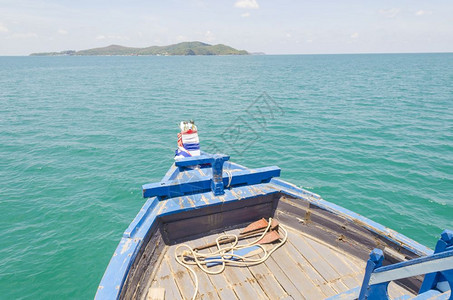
324	254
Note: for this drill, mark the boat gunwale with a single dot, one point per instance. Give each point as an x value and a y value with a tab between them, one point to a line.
132	241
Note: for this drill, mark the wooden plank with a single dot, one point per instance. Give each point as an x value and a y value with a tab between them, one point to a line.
222	219
287	273
151	271
268	282
148	262
350	268
315	259
244	283
206	289
153	285
297	269
396	291
282	279
347	273
287	298
156	294
165	279
264	276
353	279
300	289
181	275
142	267
225	288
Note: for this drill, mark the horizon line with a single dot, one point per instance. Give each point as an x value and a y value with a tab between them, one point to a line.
251	54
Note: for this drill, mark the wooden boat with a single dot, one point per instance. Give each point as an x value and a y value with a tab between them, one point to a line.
326	252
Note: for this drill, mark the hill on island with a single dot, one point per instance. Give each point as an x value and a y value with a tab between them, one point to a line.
185	48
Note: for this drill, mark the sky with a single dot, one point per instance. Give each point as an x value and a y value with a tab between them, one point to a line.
272	26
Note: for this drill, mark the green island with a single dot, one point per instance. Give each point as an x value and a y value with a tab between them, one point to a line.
185	48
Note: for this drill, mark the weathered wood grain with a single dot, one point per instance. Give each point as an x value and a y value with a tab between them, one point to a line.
178	230
284	280
246	285
325	261
304	276
224	288
181	275
206	289
263	275
304	268
166	280
156	294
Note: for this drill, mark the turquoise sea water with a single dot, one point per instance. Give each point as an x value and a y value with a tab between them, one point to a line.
79	135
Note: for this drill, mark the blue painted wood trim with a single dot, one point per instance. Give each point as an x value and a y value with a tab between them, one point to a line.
141	216
428	295
443	244
378	291
116	273
415	261
175	188
217	186
199	160
432	295
234	165
118	268
171	173
300	192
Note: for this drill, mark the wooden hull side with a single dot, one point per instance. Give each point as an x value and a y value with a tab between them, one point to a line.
342	233
144	265
180	227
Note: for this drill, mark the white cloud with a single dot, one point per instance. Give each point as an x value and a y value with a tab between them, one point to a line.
354	35
3	28
247	4
245	15
111	37
390	13
422	12
28	35
62	32
118	37
288	35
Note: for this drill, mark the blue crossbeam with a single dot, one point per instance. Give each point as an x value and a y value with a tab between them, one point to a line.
440	262
440	265
176	188
199	160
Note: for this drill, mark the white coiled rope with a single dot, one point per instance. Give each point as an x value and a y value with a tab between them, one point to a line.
226	254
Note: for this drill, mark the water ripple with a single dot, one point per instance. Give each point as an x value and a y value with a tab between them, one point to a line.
373	133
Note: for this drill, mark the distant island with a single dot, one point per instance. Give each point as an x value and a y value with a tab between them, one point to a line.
185	48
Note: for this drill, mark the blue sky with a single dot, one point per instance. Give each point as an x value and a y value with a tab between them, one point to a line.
273	27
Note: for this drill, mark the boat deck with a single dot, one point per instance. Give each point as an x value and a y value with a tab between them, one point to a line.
303	268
